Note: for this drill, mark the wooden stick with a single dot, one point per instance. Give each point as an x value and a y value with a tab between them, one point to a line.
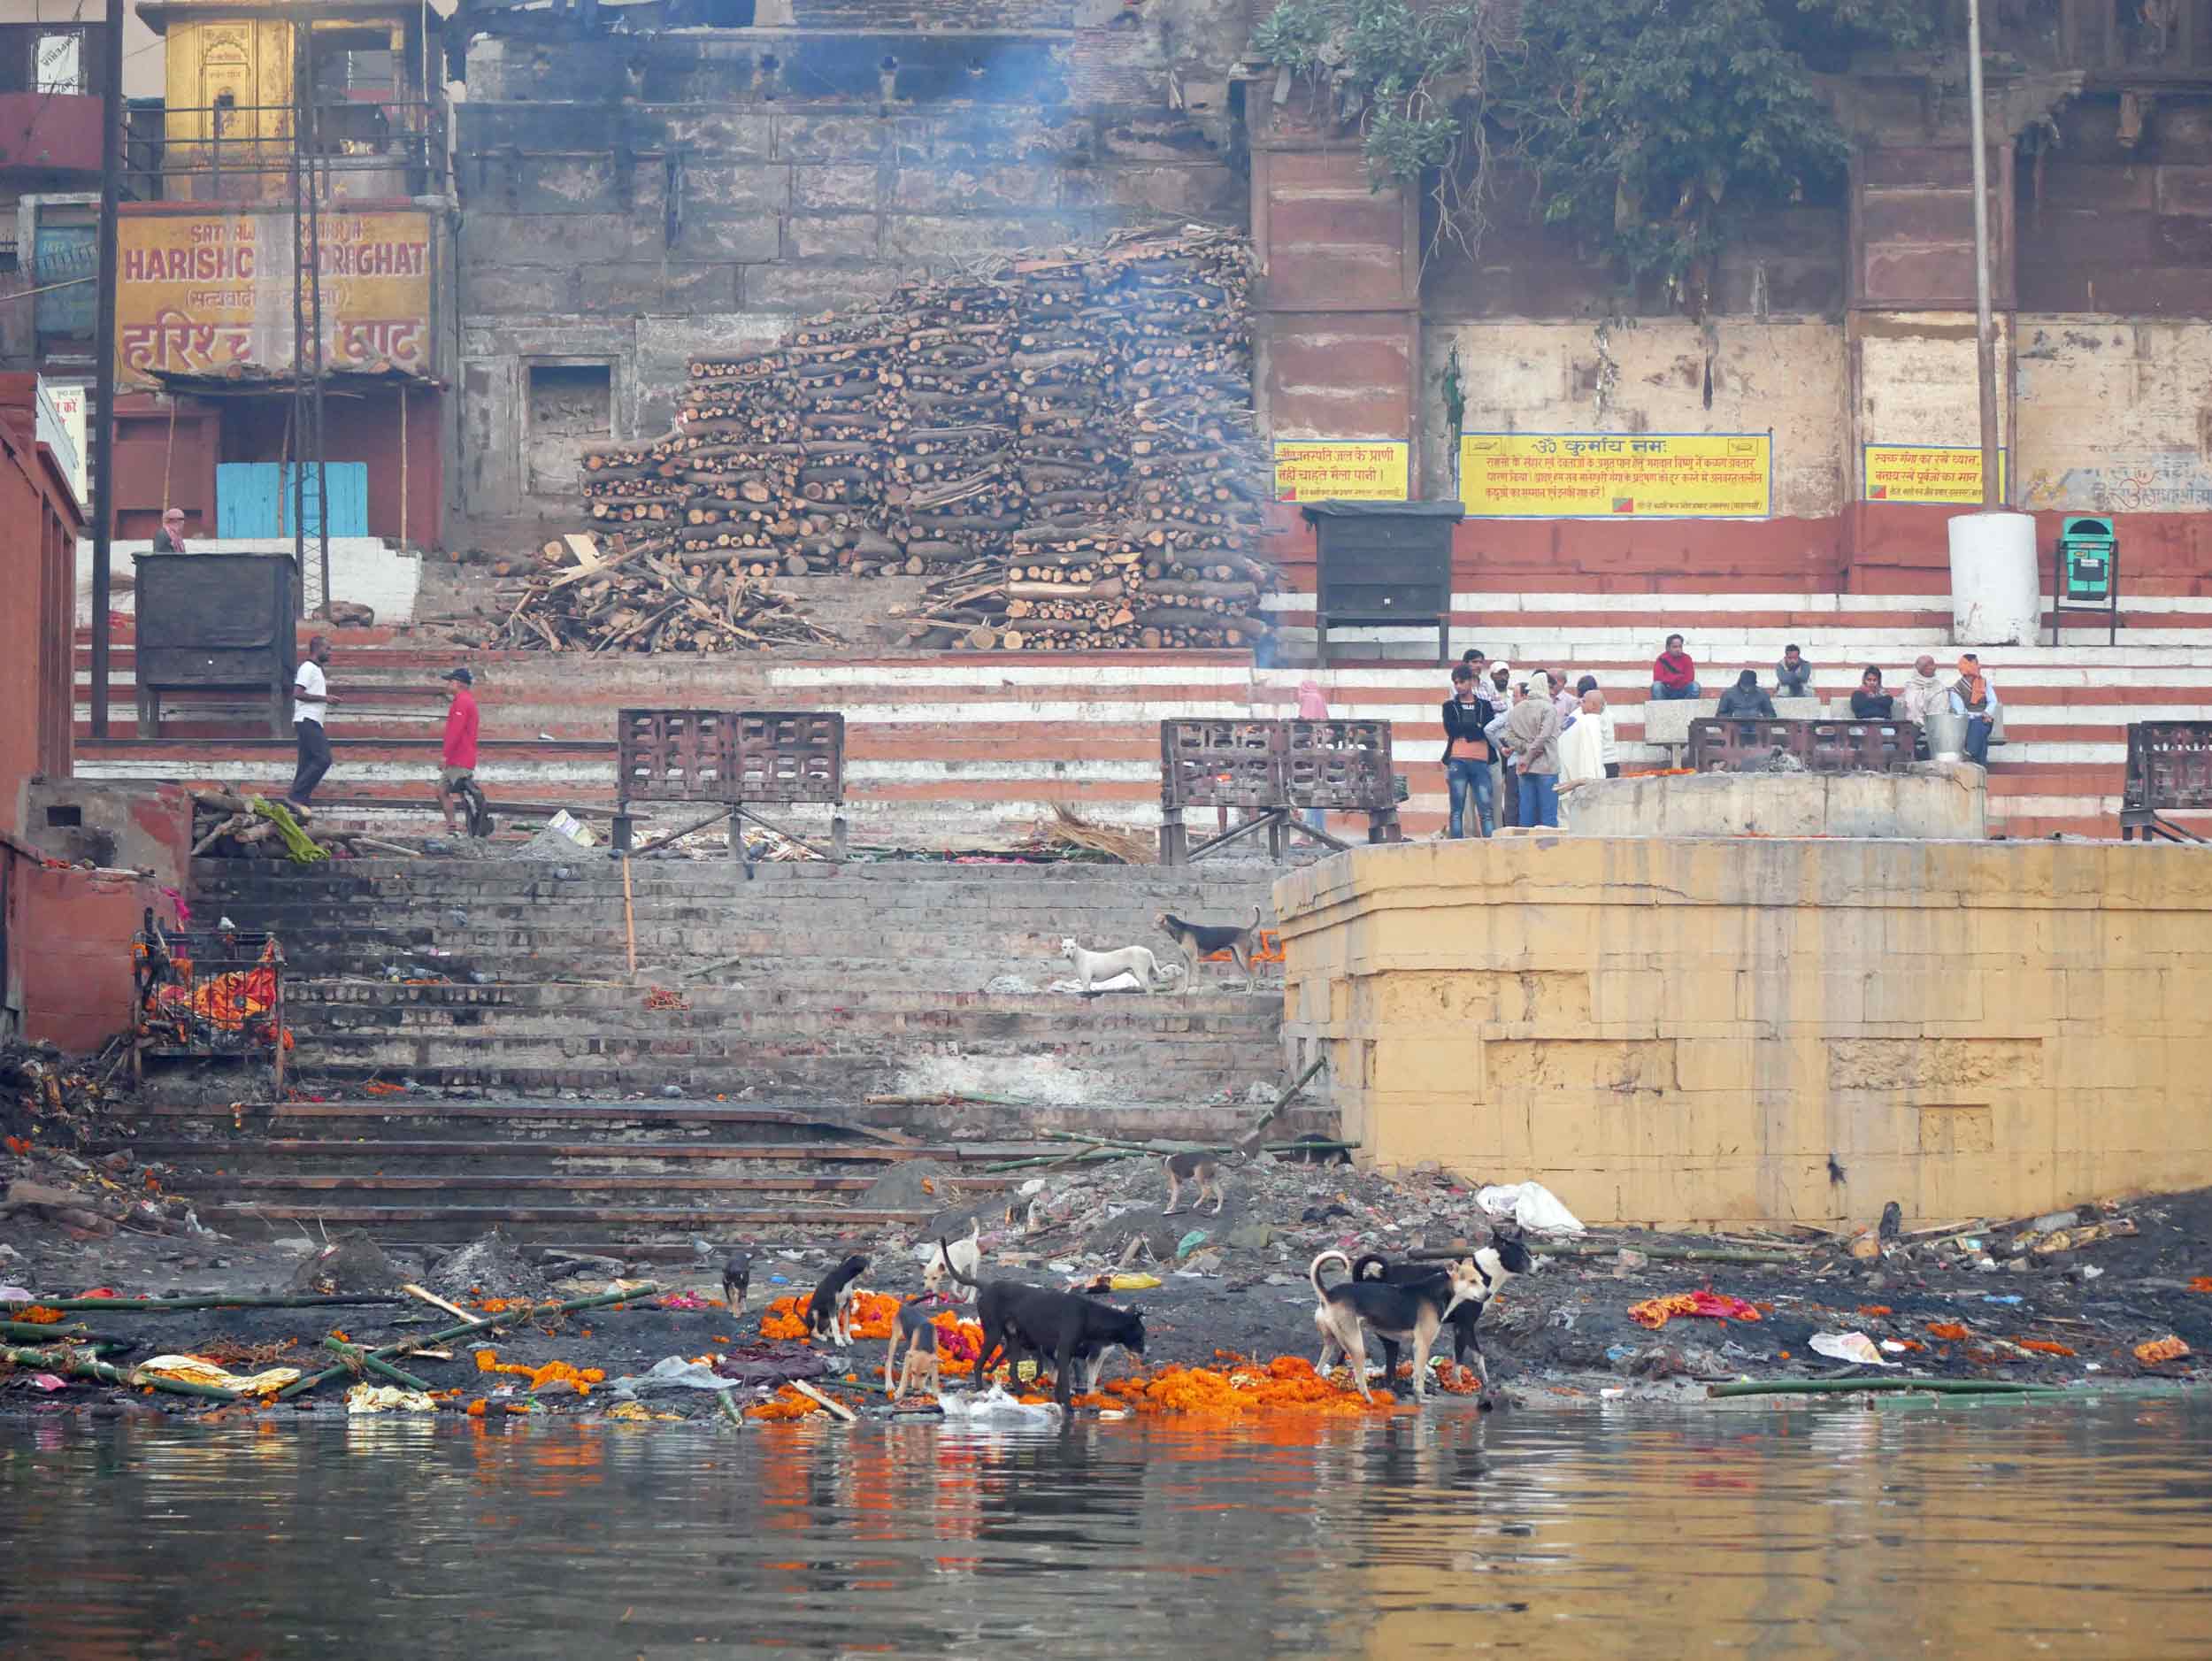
435	1301
242	1299
1282	1102
838	1408
489	1323
629	918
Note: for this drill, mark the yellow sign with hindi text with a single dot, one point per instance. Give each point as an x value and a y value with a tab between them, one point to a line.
209	292
1950	475
1623	475
1343	470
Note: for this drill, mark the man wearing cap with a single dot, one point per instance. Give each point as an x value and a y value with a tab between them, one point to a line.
170	538
459	759
1505	789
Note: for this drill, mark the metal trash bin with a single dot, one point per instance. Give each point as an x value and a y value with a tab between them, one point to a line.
1947	735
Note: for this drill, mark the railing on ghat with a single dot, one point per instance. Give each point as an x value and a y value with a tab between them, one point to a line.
1274	772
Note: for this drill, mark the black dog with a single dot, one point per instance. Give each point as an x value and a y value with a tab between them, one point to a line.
1067	1328
828	1307
1496	1263
737	1280
1203	940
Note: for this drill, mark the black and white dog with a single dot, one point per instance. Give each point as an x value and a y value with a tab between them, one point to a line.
828	1311
1417	1310
1505	1257
1203	940
737	1280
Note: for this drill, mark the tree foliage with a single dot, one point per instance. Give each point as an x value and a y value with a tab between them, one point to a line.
1651	127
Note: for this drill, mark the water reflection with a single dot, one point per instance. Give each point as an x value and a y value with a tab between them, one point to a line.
1780	1533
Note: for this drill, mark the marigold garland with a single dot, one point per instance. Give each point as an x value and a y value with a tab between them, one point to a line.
39	1315
552	1371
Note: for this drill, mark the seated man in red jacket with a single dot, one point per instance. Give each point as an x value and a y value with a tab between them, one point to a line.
1674	676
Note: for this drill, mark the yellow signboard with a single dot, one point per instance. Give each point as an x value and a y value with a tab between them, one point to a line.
1606	475
1347	470
1947	474
210	293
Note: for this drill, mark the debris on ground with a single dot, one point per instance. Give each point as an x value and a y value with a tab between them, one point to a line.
351	1262
488	1267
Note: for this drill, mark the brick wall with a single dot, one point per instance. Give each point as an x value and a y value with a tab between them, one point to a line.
67	949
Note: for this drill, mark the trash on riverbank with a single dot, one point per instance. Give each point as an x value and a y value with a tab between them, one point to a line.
1655	1312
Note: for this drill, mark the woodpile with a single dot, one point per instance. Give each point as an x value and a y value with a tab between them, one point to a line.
1063	446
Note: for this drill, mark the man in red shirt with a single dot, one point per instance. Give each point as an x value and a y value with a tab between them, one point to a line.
1673	675
460	742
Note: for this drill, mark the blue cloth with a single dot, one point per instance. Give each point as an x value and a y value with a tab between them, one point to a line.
1463	777
1977	731
1672	693
1316	818
1539	800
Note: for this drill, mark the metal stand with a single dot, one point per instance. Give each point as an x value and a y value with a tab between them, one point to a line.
2109	610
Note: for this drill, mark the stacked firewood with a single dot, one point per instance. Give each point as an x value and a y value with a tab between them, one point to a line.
1064	446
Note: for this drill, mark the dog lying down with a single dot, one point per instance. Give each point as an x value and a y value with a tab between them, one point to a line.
1106	970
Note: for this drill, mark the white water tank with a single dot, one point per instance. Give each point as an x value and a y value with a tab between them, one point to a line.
1996	591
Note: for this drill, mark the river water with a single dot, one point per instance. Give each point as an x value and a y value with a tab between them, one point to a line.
2078	1529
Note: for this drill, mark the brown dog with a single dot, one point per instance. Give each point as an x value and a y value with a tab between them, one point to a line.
1199	1168
919	1333
1203	940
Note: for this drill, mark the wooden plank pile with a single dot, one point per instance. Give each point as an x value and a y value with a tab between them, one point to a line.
1064	446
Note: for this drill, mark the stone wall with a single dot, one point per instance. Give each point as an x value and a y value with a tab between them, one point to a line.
630	202
1731	1030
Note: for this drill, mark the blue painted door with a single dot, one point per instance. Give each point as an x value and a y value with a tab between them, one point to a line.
254	498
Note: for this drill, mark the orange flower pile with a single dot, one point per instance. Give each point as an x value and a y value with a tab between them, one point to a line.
2044	1347
2160	1350
562	1372
1949	1331
1286	1384
39	1315
2201	1283
1655	1312
785	1403
875	1315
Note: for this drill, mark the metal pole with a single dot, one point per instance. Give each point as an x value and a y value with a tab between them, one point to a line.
104	361
1985	334
298	430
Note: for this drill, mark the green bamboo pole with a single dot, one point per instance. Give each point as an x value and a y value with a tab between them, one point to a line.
84	1366
491	1323
241	1300
377	1364
39	1335
729	1408
1841	1386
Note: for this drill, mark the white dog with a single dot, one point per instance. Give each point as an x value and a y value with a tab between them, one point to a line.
967	1256
1092	966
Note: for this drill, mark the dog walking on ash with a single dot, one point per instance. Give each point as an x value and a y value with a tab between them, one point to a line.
1203	940
737	1280
1199	1168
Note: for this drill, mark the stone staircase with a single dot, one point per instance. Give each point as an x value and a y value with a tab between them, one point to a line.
811	979
968	751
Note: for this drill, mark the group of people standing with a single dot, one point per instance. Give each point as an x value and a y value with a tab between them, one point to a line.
1511	746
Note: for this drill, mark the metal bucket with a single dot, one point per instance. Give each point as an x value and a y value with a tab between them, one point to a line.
1947	735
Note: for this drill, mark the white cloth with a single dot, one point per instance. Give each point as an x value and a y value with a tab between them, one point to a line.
307	678
1582	751
1923	697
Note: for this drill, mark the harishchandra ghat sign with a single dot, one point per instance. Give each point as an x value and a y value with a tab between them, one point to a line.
207	293
1605	475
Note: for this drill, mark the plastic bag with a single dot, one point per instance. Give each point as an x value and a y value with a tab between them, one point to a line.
1853	1347
1531	1204
386	1398
995	1405
673	1372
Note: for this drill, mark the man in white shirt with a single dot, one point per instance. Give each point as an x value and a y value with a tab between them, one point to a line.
311	695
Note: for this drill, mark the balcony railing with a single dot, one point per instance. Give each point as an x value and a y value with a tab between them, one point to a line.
361	149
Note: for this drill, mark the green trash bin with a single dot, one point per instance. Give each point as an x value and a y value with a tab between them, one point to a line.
2085	551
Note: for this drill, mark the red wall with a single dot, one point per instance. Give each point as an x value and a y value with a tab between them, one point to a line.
361	422
68	934
38	613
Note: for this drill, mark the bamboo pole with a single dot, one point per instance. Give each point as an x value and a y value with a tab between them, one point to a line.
84	1366
39	1335
383	1369
489	1323
629	918
241	1300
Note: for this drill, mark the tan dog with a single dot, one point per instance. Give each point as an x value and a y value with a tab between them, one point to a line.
920	1335
1417	1312
1200	1168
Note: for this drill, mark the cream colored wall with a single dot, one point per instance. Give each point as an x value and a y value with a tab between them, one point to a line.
1686	1031
1648	376
2114	414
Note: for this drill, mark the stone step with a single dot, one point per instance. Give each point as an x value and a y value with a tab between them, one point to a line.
462	1146
617	1226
